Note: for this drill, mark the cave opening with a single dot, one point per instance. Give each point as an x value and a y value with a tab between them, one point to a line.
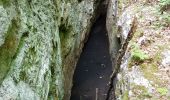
93	70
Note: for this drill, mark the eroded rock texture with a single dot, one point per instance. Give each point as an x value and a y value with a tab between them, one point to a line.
112	28
40	42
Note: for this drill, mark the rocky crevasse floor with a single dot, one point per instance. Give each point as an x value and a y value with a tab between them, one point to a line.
94	67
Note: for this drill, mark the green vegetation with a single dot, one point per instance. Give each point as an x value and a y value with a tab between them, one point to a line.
164	4
148	70
141	91
166	19
125	96
65	33
5	3
137	53
162	91
153	23
8	49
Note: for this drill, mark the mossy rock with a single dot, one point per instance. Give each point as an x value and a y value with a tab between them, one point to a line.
8	49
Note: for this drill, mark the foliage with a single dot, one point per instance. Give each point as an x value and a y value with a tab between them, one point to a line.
162	91
164	4
125	96
137	53
166	18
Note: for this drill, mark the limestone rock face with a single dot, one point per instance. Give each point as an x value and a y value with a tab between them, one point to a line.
40	42
112	28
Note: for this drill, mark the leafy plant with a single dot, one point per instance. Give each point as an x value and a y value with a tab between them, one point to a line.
137	53
162	91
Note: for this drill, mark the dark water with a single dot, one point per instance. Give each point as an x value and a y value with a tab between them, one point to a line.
94	66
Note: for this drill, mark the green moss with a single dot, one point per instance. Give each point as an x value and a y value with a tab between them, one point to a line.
8	49
125	95
157	58
137	55
164	4
166	19
139	32
141	92
22	75
52	95
149	70
138	87
1	3
64	30
66	38
151	66
5	3
162	91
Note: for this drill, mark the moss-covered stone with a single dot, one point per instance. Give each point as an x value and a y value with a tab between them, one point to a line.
40	41
8	49
5	3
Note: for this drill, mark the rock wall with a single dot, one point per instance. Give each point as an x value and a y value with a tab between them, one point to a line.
40	42
112	28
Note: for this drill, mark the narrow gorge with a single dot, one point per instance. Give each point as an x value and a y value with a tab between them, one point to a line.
94	67
40	44
84	49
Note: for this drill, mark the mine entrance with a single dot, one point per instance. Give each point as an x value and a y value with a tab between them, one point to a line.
94	66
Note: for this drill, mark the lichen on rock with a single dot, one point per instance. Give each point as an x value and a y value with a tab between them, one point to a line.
40	42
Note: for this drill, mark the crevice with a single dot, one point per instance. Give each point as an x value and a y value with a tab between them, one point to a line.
94	67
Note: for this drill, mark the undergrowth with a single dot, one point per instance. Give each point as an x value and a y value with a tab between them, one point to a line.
164	4
137	54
